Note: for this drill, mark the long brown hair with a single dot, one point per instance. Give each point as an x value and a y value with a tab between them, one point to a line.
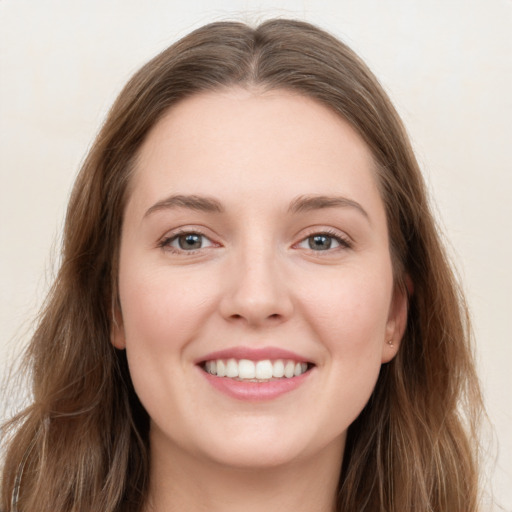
83	443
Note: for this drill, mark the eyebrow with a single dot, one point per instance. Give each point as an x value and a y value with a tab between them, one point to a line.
309	203
301	204
192	202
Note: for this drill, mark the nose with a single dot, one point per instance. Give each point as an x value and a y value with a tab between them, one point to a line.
257	292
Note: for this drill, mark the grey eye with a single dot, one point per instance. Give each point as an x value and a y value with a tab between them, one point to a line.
188	242
321	242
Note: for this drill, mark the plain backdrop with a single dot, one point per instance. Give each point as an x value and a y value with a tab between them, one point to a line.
447	65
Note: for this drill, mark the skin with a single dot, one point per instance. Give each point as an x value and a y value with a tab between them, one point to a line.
255	282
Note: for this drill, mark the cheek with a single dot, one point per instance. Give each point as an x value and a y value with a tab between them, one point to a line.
349	310
160	310
161	317
350	318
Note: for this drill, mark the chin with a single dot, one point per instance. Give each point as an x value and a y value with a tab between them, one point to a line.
254	457
257	450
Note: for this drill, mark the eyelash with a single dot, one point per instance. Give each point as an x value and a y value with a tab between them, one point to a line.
343	241
165	243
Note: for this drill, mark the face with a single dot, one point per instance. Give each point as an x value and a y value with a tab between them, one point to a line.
255	281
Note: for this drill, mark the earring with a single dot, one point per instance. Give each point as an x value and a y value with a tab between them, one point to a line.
390	342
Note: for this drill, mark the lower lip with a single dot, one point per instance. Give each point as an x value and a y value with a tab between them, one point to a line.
255	391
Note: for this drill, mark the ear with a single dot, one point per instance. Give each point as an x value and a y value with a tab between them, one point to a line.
117	335
397	320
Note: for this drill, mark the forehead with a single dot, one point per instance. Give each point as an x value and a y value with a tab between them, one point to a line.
274	142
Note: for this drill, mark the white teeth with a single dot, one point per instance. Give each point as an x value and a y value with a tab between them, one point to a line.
289	369
264	370
278	369
221	368
231	368
245	369
211	367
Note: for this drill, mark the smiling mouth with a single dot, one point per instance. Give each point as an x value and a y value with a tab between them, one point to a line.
265	370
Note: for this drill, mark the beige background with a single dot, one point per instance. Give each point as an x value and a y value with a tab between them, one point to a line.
446	64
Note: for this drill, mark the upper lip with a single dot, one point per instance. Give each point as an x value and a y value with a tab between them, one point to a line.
253	354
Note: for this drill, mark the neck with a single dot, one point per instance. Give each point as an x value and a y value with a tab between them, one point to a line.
182	482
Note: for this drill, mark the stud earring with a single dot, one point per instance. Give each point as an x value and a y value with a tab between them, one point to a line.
390	342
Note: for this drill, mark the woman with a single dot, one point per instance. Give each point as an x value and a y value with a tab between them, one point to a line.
254	308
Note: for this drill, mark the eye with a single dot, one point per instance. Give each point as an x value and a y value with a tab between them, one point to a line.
186	241
323	242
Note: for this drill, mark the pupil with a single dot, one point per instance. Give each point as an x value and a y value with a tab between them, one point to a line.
190	241
320	242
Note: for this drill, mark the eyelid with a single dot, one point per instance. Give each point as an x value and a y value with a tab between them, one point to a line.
164	242
344	240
